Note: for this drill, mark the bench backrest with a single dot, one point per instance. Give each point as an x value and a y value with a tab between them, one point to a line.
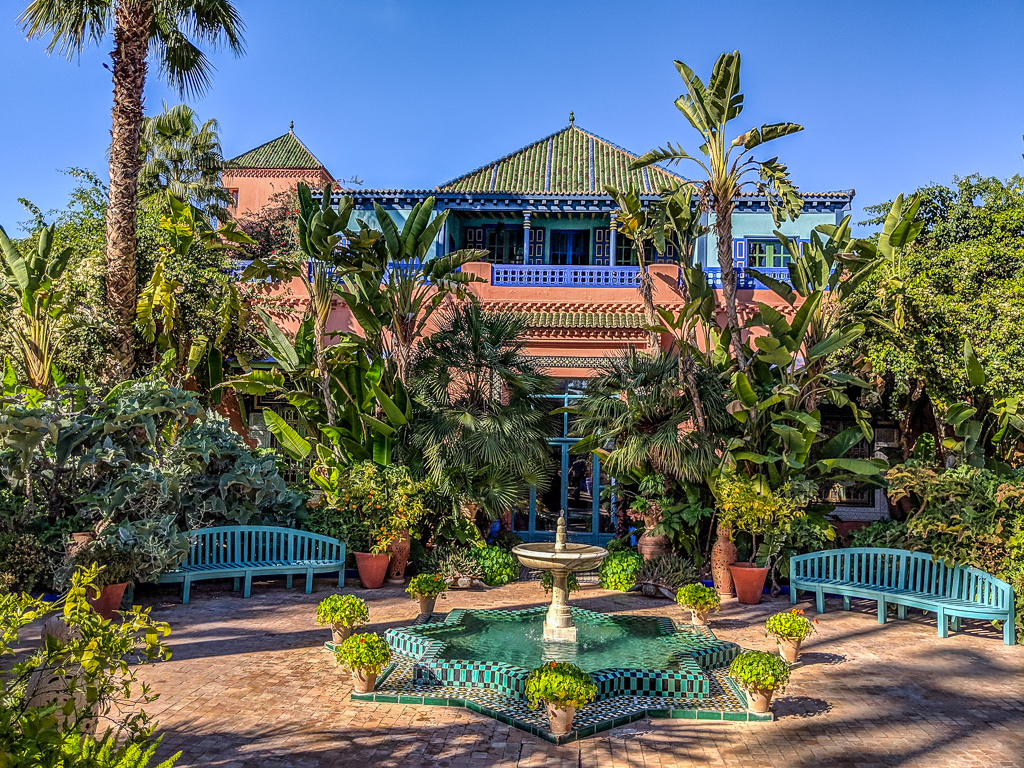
900	569
244	544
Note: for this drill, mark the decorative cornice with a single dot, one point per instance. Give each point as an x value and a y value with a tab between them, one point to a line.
315	174
567	361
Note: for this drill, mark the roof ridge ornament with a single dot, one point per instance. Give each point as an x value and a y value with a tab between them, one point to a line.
572	118
291	127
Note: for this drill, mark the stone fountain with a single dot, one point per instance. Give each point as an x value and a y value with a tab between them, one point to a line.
561	558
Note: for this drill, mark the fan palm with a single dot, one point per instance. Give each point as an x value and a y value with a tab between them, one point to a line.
140	28
183	157
482	422
638	419
726	163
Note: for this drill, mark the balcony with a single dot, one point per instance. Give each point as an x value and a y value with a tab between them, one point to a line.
745	281
547	275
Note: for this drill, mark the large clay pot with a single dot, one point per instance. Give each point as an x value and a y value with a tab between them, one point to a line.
109	601
760	699
340	633
427	605
372	569
789	649
699	618
399	549
749	582
651	547
560	718
364	681
723	553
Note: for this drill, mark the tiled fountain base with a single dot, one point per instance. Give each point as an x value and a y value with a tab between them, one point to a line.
404	682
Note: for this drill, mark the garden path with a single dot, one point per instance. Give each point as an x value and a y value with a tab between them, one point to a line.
250	685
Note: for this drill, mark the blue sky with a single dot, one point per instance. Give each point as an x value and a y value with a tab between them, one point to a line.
409	94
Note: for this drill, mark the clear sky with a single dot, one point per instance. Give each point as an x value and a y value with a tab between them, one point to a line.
410	93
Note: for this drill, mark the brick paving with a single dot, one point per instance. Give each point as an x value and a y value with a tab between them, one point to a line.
249	685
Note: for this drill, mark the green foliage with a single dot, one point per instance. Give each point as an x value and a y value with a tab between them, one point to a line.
560	684
699	598
135	551
507	540
760	671
547	581
924	449
24	562
367	652
618	570
346	610
450	562
499	566
746	504
84	673
619	545
789	625
677	512
884	534
426	585
670	571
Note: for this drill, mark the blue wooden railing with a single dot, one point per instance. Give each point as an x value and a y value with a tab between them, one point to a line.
743	280
565	276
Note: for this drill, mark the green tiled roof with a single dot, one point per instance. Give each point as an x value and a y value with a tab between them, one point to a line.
583	319
569	162
283	152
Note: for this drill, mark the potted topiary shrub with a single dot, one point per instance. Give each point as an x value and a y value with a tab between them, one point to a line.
117	565
426	587
563	688
364	655
700	601
761	675
342	613
790	628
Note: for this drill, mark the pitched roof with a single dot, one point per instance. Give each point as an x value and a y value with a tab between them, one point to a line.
283	152
569	162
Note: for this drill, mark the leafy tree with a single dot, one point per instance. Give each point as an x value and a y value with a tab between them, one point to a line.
140	28
709	109
182	157
481	424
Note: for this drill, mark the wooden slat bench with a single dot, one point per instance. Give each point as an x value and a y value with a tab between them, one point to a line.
901	578
241	552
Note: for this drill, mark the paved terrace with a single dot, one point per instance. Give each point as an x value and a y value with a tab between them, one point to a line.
250	685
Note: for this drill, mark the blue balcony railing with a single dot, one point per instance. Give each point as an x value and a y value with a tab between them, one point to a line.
565	276
745	281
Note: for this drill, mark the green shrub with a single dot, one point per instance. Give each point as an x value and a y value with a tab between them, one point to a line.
885	534
760	671
547	580
450	562
498	565
507	540
789	625
426	585
24	563
346	610
620	545
619	569
368	652
560	684
699	598
671	571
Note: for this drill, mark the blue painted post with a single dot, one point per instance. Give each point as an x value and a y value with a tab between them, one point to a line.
611	240
526	237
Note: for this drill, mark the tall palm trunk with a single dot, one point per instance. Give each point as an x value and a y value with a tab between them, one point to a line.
723	232
646	291
131	41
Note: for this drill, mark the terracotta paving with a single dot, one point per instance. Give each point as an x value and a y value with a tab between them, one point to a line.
249	684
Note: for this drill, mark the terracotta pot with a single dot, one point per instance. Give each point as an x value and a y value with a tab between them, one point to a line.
749	582
723	553
789	649
560	718
364	681
699	618
340	633
372	569
399	549
109	601
427	605
651	547
760	699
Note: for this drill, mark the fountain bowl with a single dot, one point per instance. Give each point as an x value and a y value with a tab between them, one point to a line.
547	556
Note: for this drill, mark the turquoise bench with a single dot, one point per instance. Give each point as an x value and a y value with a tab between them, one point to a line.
901	578
244	551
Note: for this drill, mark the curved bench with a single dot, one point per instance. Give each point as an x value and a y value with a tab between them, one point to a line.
244	551
902	578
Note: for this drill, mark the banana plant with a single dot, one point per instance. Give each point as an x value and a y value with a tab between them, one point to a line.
41	302
395	294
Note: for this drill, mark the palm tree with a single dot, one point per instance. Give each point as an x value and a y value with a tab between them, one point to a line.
725	164
140	28
482	423
637	418
183	157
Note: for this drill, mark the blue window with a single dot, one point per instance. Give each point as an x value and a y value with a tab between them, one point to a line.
570	247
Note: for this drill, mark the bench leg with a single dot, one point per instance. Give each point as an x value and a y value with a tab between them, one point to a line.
792	594
846	602
943	622
955	622
248	584
309	581
819	600
341	577
1009	633
901	612
883	609
288	581
238	584
186	587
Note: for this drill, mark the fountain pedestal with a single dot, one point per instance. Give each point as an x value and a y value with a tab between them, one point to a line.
558	625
